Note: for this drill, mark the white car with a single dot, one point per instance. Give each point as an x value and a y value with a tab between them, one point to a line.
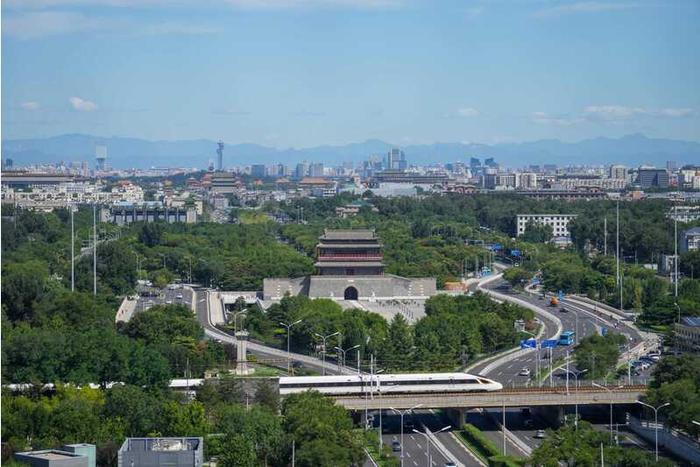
524	372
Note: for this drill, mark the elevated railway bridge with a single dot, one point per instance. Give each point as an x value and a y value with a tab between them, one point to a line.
508	397
554	399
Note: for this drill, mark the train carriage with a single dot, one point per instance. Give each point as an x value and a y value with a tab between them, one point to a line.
389	384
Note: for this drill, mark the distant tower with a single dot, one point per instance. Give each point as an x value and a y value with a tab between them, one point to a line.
100	156
220	153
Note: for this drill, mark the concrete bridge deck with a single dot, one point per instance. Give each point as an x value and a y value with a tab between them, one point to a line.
511	397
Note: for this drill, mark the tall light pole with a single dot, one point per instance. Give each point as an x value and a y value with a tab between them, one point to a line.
619	272
401	414
675	252
323	339
235	319
343	352
94	249
575	374
72	250
427	441
610	391
288	326
656	424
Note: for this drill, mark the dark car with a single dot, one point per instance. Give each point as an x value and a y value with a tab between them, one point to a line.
563	310
395	446
408	425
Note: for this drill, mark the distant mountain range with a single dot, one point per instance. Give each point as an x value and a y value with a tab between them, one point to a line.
631	150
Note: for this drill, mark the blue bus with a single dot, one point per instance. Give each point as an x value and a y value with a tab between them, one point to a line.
567	338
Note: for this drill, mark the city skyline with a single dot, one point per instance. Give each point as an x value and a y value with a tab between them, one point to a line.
284	73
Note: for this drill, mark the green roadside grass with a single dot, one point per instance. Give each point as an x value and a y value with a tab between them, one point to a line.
371	440
484	448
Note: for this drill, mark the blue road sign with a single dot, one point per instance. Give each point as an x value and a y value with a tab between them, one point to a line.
561	295
528	344
603	331
549	343
515	252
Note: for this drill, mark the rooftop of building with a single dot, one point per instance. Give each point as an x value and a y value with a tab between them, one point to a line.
691	321
161	444
693	231
547	215
349	234
348	264
49	454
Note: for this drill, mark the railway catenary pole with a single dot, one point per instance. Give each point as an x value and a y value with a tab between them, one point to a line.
288	326
323	339
72	250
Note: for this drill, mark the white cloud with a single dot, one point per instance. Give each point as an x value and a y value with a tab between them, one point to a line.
616	113
49	23
683	112
82	105
39	24
243	4
30	105
556	120
583	7
612	112
468	112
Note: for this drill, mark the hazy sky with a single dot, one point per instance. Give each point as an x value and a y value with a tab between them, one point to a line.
308	72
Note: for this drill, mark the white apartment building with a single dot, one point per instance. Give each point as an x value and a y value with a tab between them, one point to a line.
558	222
526	180
618	172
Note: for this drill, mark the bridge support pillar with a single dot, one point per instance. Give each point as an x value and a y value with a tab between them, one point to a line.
458	416
553	415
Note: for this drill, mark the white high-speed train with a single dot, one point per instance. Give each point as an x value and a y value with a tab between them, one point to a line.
389	384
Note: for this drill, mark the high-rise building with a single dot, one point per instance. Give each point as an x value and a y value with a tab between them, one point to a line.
302	170
618	172
257	170
650	177
316	169
220	155
526	180
396	160
490	162
474	163
101	156
671	166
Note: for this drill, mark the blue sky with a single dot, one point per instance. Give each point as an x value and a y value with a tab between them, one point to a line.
309	72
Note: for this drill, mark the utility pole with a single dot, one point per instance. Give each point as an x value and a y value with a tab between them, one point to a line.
675	251
72	250
94	249
605	236
619	274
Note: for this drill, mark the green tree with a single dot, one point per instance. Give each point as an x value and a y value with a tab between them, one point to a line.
598	354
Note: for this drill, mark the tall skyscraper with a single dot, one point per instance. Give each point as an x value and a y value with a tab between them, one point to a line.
395	160
220	155
101	156
302	170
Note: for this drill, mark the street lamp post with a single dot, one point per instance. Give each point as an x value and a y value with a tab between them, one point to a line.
576	374
427	441
343	352
610	391
323	339
656	424
288	326
401	414
235	320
